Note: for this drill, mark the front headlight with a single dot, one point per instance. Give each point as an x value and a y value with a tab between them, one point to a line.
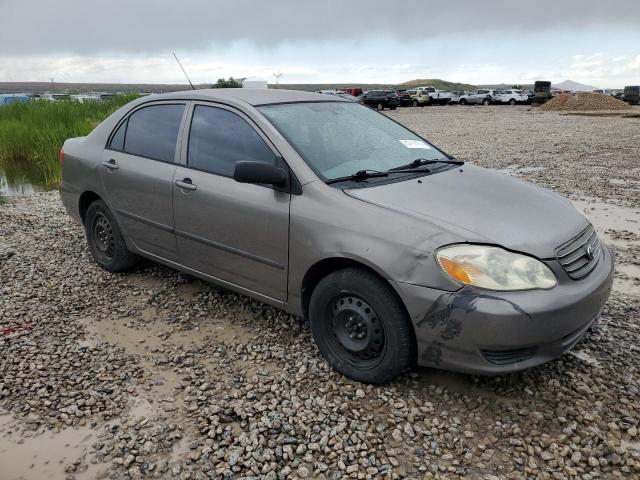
494	268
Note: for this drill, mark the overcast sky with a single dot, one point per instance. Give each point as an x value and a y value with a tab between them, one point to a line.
593	42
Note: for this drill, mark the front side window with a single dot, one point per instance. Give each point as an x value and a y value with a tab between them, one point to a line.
337	139
152	132
220	138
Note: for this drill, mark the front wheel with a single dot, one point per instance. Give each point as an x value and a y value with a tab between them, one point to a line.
380	107
415	103
486	102
360	326
106	243
512	101
463	101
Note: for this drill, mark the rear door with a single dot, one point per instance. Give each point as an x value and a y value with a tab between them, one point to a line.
137	172
237	233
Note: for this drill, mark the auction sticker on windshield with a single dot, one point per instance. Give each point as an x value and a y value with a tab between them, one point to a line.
415	144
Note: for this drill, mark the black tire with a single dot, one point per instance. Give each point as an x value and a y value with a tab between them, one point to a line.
512	101
380	107
415	103
463	101
360	326
486	102
392	108
105	240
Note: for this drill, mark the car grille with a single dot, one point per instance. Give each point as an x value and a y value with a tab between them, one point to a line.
581	254
507	357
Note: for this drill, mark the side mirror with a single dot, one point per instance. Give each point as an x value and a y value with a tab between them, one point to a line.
258	172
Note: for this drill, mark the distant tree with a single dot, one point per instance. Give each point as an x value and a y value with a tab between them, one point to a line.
230	83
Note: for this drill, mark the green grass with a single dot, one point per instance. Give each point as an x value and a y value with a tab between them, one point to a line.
32	133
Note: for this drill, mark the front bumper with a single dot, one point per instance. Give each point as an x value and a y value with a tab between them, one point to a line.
486	332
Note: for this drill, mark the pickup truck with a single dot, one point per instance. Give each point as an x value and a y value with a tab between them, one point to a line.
510	96
430	96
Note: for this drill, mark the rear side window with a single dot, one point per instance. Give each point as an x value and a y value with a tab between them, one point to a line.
219	138
152	132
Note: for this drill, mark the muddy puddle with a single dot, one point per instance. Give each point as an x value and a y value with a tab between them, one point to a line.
618	227
45	455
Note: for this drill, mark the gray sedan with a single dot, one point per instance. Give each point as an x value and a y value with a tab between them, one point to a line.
397	253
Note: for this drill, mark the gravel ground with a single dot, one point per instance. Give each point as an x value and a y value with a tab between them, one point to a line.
154	374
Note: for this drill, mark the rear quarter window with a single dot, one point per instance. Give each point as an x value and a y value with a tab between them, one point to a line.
117	140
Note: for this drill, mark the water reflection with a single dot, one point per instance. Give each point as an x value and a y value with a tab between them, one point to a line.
21	178
19	187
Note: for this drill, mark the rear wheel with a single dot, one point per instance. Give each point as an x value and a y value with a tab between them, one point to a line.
512	101
361	327
380	107
106	243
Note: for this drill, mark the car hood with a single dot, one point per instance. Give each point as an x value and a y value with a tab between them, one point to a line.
483	206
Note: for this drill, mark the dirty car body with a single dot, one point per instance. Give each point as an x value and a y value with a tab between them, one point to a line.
280	243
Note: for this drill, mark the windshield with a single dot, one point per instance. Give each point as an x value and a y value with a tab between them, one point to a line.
337	139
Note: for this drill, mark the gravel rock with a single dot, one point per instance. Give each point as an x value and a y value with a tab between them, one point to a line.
170	377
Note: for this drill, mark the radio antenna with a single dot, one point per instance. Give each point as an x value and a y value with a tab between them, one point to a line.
183	71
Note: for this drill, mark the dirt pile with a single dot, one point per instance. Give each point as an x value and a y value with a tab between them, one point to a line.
584	102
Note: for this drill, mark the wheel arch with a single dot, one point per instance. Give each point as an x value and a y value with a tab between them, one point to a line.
326	266
86	199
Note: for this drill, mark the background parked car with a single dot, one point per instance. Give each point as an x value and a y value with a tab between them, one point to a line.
510	96
477	97
455	96
432	96
632	95
421	98
404	98
355	91
380	99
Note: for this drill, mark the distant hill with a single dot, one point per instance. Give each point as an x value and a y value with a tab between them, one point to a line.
574	86
438	84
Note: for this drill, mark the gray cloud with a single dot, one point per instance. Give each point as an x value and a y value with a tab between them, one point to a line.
149	26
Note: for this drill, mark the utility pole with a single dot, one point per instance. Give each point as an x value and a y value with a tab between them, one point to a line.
277	77
53	85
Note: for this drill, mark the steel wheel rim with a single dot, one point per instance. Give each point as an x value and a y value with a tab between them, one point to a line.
103	237
357	335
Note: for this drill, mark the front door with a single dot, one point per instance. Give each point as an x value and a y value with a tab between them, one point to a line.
235	232
137	173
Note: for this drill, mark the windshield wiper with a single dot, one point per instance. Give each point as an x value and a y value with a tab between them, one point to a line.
359	175
424	161
364	174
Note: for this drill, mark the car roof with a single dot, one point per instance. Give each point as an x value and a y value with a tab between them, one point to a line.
252	96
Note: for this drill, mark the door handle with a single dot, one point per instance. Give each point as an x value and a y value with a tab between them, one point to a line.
186	184
111	164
